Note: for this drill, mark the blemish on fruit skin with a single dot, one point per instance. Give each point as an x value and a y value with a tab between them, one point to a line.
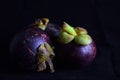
36	34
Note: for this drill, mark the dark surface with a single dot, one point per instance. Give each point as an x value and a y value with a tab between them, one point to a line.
99	17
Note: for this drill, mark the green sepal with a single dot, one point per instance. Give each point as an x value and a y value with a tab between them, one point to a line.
69	29
65	38
84	39
80	30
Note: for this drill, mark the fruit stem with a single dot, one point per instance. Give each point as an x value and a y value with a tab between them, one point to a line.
42	23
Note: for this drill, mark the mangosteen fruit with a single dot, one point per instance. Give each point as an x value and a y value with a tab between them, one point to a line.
31	48
75	47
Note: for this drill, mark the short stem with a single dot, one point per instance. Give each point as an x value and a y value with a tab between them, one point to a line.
42	23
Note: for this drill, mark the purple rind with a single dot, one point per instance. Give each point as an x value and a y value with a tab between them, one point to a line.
24	47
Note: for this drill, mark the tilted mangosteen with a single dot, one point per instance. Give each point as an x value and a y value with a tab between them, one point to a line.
75	47
31	48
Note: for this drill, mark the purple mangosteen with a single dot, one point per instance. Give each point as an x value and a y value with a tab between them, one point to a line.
31	48
75	47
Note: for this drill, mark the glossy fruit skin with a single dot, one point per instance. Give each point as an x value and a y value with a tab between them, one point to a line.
75	56
24	47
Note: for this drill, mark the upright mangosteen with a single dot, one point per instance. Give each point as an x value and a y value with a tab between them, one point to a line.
75	47
31	48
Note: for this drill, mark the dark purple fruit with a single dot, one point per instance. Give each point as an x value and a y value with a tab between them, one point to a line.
30	49
75	47
75	56
53	30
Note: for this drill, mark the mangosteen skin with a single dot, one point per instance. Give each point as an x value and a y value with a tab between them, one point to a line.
74	56
24	47
53	30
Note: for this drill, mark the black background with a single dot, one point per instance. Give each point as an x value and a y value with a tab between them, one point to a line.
100	17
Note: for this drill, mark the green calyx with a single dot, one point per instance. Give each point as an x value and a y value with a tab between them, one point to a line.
78	34
69	29
80	30
67	34
65	38
83	39
42	23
